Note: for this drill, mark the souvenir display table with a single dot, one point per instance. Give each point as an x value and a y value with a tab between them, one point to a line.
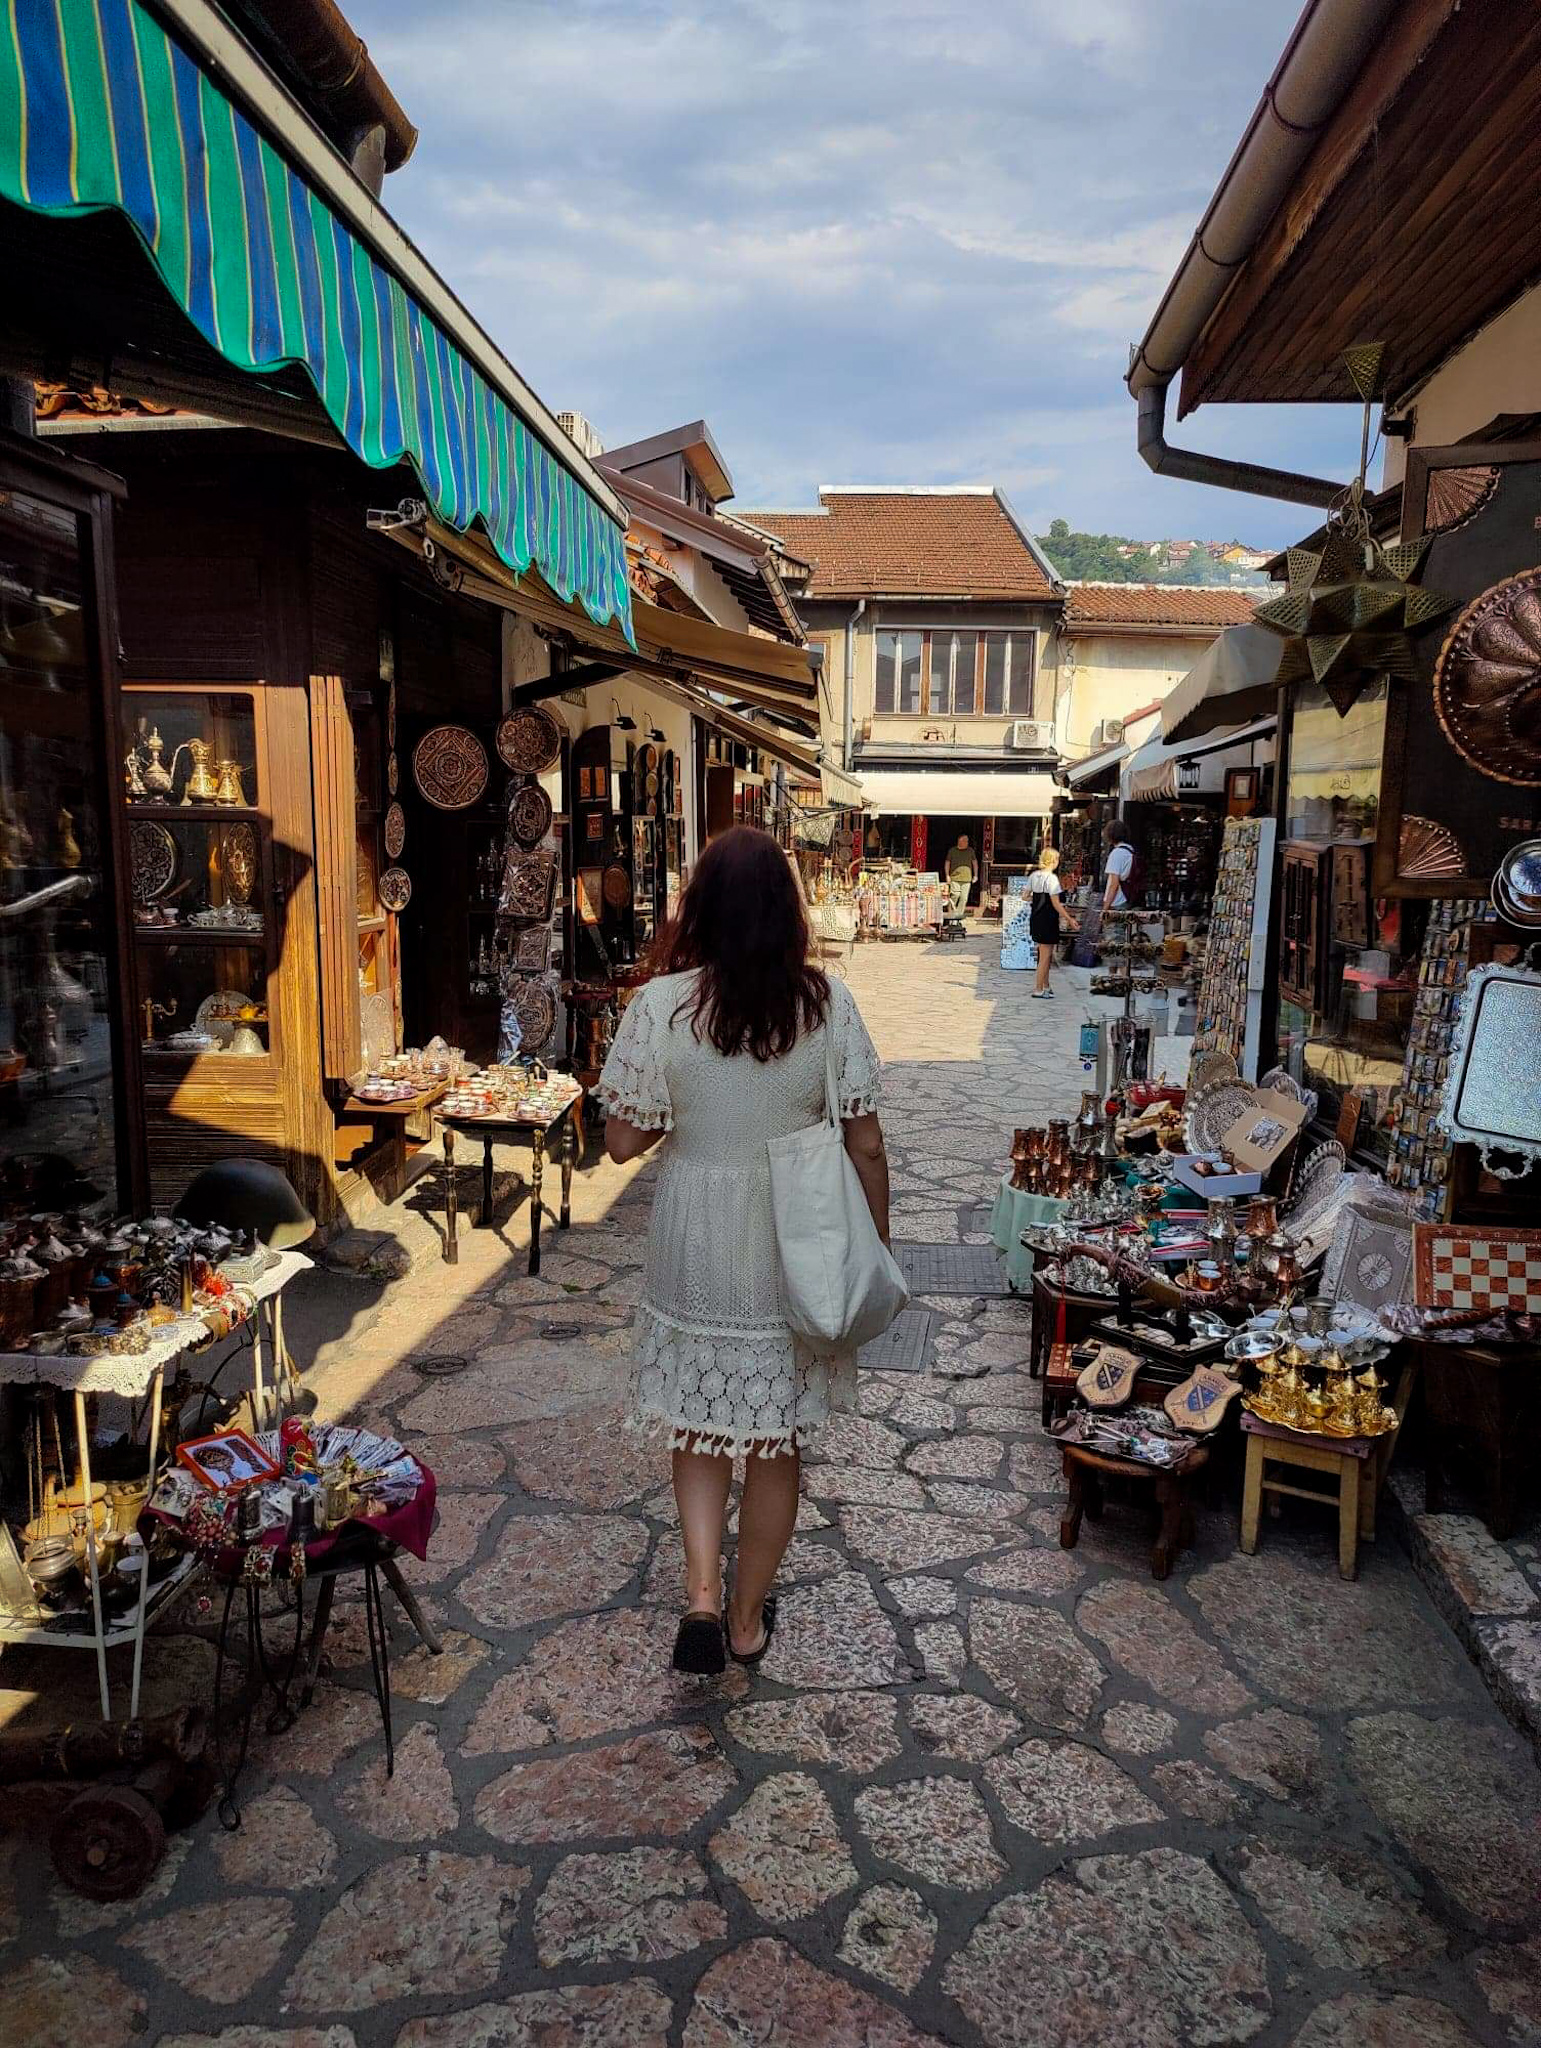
540	1118
139	1377
1085	1470
1014	1210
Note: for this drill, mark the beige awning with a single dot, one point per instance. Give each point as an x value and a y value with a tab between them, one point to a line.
1151	775
1233	681
957	793
840	788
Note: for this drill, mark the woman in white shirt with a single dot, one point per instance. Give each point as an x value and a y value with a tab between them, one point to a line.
1047	916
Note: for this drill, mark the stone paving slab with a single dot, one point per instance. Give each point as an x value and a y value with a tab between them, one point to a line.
984	1793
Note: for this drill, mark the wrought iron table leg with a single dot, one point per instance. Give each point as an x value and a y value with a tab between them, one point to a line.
427	1633
318	1629
537	1167
380	1660
569	1153
485	1219
451	1247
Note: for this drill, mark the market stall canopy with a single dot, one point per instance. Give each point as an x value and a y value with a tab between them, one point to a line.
937	793
1232	682
840	788
285	267
1152	772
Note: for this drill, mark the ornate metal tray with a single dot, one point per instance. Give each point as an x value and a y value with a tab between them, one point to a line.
395	832
1487	682
1492	1095
529	740
1212	1112
534	1005
450	767
153	853
238	862
532	949
395	888
529	814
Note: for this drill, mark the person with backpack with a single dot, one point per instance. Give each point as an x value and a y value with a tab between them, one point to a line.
1121	867
1047	917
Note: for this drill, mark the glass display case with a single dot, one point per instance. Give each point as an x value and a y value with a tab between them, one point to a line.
61	1116
200	871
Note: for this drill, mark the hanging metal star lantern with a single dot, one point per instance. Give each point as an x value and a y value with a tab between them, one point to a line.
1350	607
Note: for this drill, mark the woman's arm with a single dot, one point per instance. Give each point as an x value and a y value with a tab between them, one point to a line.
864	1143
624	1141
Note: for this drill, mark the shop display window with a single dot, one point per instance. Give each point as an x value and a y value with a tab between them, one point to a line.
200	870
58	1114
1364	952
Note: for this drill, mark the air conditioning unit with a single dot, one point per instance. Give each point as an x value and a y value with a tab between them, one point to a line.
1032	735
1110	732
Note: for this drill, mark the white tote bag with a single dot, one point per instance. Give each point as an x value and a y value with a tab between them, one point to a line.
840	1284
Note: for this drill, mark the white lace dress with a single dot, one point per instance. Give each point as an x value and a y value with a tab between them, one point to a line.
714	1366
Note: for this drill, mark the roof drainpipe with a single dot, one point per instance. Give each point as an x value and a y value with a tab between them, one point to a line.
848	744
1221	471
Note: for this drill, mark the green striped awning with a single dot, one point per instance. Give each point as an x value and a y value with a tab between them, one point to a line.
101	108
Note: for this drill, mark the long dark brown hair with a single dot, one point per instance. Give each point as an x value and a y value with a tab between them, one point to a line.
741	923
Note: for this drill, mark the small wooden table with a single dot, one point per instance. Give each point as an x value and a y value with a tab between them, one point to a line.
1085	1470
1352	1461
494	1130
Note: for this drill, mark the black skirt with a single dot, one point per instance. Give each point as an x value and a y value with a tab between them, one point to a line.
1043	919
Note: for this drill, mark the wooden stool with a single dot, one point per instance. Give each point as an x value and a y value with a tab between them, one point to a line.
1084	1470
1354	1461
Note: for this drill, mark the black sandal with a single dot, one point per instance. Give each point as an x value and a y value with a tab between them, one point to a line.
700	1648
767	1622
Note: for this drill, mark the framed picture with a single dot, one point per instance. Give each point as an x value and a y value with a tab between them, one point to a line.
1371	1259
227	1462
1242	787
585	785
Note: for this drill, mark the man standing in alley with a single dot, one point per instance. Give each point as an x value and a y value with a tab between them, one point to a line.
1119	868
961	870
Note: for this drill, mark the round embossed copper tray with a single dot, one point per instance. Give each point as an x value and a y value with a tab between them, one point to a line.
529	740
1487	682
395	888
395	832
529	814
449	766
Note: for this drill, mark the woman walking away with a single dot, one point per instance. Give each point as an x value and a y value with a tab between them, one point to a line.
1047	916
726	1050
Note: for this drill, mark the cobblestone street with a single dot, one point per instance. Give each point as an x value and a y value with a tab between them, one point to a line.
982	1791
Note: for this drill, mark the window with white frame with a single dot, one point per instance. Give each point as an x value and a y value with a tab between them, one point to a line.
955	673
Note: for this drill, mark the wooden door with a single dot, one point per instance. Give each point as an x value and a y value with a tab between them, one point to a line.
1300	926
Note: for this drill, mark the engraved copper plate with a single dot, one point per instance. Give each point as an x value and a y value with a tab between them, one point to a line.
529	885
395	831
153	852
238	859
1487	685
395	888
617	887
392	775
529	740
535	1007
449	765
532	949
529	814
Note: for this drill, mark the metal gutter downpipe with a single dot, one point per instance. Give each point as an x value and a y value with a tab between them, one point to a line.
848	741
1188	466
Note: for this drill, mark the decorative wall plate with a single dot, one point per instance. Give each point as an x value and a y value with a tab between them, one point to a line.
238	862
153	854
395	888
617	886
1474	1266
395	832
532	949
1209	1067
1487	682
1371	1260
529	814
392	774
1492	1094
1517	885
1284	1083
529	740
535	1007
1425	849
1320	1191
390	718
449	766
529	885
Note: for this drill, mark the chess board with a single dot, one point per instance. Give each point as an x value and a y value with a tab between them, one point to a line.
1477	1267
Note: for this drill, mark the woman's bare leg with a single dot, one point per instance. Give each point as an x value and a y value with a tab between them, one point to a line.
1045	962
767	1515
701	1485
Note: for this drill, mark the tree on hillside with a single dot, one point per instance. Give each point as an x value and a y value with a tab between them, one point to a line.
1096	558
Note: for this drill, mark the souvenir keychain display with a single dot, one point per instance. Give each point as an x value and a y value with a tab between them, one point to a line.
1420	1150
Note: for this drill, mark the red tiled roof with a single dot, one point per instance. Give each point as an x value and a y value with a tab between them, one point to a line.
1159	604
901	543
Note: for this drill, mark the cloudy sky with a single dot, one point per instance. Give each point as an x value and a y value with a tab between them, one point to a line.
870	241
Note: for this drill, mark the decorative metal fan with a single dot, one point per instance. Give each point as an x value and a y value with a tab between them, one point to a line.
1426	850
